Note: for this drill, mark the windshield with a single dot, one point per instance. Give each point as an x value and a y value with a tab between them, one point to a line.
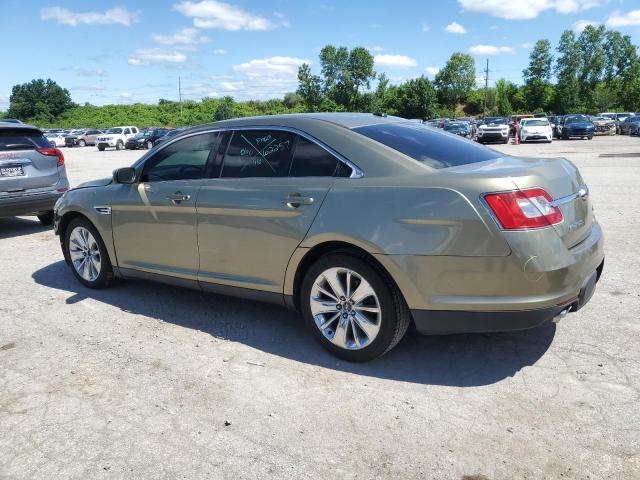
454	126
576	119
431	146
535	123
114	130
494	121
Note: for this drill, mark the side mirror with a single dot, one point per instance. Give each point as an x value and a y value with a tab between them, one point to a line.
124	175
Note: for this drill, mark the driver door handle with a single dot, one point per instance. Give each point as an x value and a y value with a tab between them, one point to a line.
178	197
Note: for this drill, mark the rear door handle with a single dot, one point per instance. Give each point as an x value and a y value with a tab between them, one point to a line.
294	200
178	197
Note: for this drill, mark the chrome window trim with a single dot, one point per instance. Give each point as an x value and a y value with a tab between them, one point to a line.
356	172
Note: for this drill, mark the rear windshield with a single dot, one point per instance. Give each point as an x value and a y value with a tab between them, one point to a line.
115	130
22	139
494	121
433	147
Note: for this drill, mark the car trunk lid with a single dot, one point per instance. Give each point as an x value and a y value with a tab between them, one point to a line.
22	166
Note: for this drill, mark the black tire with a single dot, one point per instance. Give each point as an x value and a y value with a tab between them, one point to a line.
101	148
82	143
46	218
105	277
590	137
395	315
505	141
119	145
149	145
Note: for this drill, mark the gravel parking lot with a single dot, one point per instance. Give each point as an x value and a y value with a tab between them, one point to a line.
149	381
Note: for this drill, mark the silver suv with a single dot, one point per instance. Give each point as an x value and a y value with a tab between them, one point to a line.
32	174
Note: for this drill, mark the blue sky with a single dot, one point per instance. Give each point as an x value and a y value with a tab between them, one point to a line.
134	51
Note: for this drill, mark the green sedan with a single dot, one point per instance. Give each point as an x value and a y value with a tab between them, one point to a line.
364	223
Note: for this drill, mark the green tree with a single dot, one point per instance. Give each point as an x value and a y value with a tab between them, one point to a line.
566	98
456	80
591	54
292	99
537	76
416	98
39	99
309	88
224	110
503	105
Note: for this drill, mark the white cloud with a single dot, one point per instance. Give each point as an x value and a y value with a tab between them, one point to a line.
89	72
273	66
526	9
146	56
375	49
527	45
489	50
580	25
455	27
219	51
431	71
394	61
215	14
425	27
624	20
184	36
117	15
90	88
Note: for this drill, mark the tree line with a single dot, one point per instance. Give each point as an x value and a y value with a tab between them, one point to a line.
595	70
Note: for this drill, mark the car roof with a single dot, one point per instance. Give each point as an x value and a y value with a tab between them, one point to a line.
18	126
343	119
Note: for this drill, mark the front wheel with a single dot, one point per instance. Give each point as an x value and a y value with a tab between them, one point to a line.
87	255
82	143
119	145
101	148
352	307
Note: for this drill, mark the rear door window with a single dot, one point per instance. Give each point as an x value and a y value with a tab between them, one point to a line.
22	139
311	160
431	146
258	153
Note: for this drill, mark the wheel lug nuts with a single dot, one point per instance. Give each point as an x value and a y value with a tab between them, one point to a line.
353	312
342	298
338	307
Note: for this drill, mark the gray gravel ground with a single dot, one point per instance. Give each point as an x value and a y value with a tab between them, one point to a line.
150	381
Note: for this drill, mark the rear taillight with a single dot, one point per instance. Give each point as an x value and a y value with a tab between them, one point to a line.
53	152
522	209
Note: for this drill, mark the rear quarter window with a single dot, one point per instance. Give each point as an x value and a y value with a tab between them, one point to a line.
22	139
431	146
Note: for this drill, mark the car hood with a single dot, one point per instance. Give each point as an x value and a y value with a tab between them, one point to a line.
101	182
604	122
579	125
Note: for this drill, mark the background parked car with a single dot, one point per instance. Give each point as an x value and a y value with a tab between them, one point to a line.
169	135
32	174
553	121
573	126
514	123
146	138
629	125
604	125
82	137
10	120
56	139
462	129
621	117
115	137
493	129
535	129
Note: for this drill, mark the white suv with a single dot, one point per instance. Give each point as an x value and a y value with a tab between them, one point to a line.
115	137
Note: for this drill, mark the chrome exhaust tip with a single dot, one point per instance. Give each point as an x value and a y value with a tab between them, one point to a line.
561	315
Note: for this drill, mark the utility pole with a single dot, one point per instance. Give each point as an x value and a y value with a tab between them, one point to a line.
486	88
180	96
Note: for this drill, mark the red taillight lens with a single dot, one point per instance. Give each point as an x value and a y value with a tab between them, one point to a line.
53	152
521	209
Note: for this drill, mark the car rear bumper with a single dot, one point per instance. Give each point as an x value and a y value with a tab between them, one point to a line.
28	204
442	322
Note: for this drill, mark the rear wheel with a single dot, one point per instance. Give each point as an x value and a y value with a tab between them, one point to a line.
85	252
352	307
46	218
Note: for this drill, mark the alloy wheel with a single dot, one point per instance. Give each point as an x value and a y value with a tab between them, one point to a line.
84	253
345	308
